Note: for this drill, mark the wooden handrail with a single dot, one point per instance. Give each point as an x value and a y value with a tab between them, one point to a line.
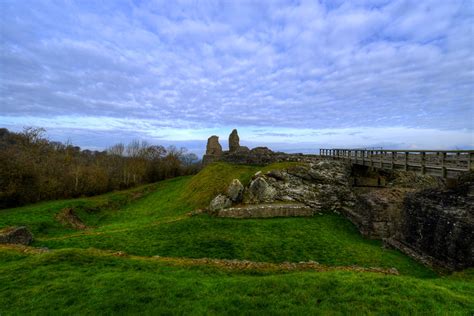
445	163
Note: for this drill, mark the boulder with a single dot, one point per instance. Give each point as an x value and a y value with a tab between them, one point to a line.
219	202
234	141
235	191
260	191
16	235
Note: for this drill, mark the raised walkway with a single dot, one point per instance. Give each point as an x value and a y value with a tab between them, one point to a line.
442	163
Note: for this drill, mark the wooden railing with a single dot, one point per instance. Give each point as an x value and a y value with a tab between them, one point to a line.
444	163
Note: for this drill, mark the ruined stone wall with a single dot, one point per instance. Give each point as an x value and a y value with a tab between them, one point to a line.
267	211
439	226
411	212
380	196
377	211
243	155
419	216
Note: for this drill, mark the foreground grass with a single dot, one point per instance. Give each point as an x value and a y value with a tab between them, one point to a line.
151	220
84	282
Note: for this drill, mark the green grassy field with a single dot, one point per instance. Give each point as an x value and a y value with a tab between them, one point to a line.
111	267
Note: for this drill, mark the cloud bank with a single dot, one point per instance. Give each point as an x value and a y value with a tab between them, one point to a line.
399	72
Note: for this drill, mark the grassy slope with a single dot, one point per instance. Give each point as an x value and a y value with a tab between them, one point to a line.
156	224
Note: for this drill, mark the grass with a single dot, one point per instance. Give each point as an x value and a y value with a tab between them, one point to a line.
151	220
84	282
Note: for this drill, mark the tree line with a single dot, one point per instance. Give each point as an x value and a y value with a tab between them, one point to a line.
33	168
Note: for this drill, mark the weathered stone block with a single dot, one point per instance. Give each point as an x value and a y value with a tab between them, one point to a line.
267	210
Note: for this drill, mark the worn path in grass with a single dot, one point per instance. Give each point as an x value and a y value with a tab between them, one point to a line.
233	265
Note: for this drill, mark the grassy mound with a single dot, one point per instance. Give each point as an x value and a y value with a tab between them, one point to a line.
151	220
215	179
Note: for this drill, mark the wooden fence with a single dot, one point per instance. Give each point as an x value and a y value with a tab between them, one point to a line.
443	163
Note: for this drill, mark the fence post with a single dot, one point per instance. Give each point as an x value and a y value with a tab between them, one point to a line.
406	160
470	163
443	165
423	159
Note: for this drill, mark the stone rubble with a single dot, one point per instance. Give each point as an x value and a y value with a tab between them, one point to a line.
318	186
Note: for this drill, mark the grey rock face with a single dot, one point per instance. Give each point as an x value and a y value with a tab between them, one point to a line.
330	190
219	202
234	141
16	235
260	191
440	224
377	212
235	191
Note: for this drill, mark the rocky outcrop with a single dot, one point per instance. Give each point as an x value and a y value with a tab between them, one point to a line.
323	186
260	191
16	235
234	141
267	211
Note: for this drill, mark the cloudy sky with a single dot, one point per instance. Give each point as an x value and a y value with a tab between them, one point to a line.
293	75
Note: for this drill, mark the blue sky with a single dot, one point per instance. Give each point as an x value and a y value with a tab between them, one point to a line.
293	75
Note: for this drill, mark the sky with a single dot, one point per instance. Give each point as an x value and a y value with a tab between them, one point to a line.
291	75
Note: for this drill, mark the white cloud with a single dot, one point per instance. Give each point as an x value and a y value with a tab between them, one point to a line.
218	65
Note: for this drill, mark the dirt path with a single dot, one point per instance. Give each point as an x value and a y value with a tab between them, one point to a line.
226	264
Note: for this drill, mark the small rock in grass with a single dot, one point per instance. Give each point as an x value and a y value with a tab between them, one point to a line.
16	235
